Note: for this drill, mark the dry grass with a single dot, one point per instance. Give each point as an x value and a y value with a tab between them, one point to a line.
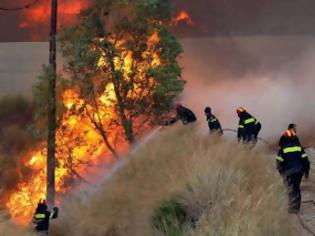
230	189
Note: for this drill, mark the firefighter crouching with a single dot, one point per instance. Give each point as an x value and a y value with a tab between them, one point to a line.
182	113
42	217
213	122
248	127
292	164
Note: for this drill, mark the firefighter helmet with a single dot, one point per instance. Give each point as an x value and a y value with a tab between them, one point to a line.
240	110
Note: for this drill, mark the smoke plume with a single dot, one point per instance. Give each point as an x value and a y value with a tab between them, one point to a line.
272	77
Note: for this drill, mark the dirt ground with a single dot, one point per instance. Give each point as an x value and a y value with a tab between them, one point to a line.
307	213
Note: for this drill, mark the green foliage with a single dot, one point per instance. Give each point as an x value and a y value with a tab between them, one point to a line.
170	218
108	31
15	110
41	101
159	9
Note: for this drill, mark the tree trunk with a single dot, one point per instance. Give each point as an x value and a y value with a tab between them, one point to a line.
51	139
126	124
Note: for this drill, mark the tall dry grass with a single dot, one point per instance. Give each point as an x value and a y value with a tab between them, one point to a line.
226	188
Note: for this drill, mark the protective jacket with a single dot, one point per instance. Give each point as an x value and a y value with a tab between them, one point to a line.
292	164
41	219
289	137
213	123
292	159
184	114
248	127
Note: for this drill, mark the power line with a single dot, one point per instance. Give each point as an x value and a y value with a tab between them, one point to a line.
19	8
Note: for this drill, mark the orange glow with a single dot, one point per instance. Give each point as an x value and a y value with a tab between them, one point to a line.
154	39
37	17
80	148
183	17
41	13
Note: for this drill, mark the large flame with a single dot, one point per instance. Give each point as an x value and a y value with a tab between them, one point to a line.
183	17
37	17
79	145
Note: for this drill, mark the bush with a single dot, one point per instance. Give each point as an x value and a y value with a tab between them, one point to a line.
16	114
170	218
180	177
15	110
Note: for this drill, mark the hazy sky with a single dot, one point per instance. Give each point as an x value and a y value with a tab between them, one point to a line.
211	17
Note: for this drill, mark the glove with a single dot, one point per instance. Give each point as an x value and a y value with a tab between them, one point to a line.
56	211
306	175
165	123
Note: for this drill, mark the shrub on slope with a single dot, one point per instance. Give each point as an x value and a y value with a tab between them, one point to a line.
224	188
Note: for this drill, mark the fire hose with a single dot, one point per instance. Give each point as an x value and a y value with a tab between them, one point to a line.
304	226
154	133
235	131
261	139
151	135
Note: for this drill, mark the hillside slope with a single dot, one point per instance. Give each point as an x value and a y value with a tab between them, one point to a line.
219	187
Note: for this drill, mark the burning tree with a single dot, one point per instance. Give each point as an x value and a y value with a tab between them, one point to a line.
122	77
123	60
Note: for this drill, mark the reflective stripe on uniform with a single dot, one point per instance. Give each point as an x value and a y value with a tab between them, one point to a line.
213	120
292	149
40	216
278	158
241	126
304	155
250	120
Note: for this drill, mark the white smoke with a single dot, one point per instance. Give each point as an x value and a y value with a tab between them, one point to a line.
272	77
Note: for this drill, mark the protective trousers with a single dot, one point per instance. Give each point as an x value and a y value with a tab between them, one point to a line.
293	182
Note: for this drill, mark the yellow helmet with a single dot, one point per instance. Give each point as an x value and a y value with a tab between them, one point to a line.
240	110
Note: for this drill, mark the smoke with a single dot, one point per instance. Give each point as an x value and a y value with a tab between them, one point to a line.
272	77
8	228
245	17
192	169
32	24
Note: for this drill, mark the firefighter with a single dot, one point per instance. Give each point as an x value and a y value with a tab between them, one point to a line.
213	122
182	113
248	127
292	164
289	136
42	217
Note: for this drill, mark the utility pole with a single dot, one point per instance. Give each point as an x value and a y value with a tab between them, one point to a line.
51	138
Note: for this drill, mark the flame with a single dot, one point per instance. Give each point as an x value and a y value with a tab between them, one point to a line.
37	17
79	146
154	39
183	17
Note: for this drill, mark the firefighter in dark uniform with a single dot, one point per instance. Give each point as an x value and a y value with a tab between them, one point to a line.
182	113
42	217
213	122
248	127
289	136
292	164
